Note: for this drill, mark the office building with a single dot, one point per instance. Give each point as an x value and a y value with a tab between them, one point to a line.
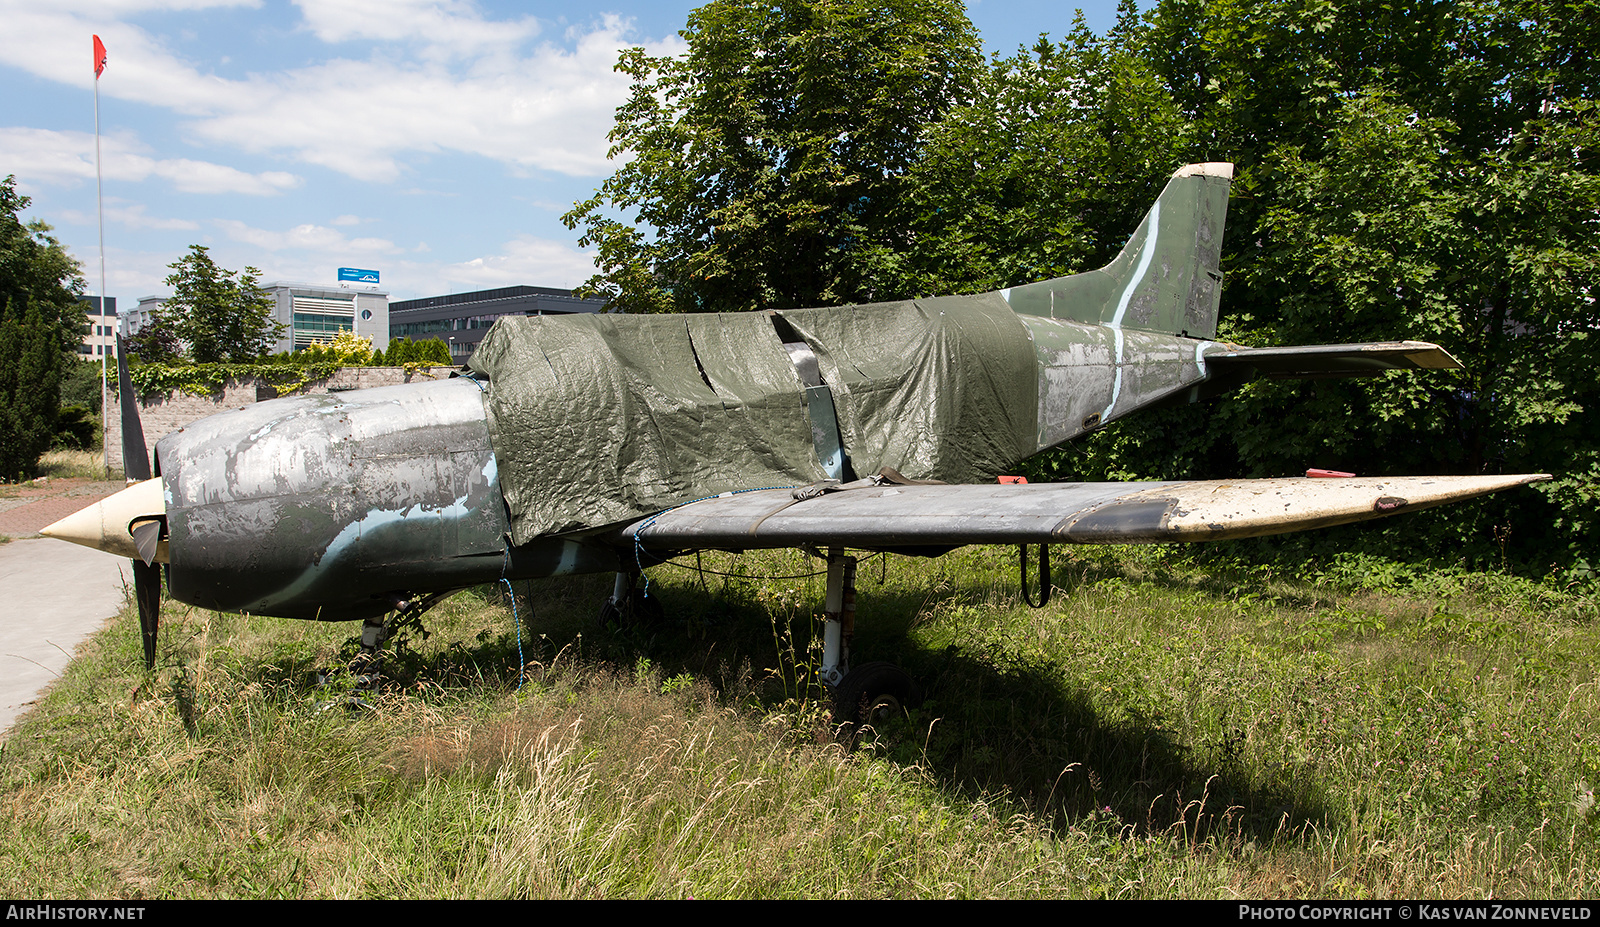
100	331
308	312
462	319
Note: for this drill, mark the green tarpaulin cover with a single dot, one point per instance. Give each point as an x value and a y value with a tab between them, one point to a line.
600	419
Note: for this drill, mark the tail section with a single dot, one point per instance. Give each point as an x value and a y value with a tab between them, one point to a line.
1168	278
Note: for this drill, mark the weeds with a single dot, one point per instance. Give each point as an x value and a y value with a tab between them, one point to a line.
1169	726
65	464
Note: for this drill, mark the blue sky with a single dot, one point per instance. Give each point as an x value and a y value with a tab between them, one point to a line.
437	141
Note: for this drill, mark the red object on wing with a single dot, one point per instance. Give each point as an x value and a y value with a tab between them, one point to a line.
1328	474
1013	479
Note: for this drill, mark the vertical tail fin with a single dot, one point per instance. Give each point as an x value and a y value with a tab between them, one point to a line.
1168	277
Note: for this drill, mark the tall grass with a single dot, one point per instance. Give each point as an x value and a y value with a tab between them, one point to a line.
66	464
1170	726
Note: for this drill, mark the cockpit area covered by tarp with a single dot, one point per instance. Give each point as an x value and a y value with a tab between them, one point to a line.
600	419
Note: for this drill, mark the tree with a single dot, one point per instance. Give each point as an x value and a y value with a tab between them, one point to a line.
80	383
1419	170
155	342
222	315
767	165
1047	171
40	322
36	273
346	349
427	351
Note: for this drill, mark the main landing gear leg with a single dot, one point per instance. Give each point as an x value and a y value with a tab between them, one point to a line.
866	694
839	617
628	603
367	666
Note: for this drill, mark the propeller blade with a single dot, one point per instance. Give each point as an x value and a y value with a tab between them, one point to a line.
147	590
147	539
145	535
135	456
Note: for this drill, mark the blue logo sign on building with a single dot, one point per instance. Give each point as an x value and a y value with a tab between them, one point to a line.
357	275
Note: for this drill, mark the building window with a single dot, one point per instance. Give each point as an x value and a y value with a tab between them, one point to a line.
321	319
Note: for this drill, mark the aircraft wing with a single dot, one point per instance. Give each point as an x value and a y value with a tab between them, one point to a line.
892	516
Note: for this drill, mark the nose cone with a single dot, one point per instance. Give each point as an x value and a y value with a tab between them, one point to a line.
126	524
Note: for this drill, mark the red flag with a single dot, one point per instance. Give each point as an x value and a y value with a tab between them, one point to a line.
99	57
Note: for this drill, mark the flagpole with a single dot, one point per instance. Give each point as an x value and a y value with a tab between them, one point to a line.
99	208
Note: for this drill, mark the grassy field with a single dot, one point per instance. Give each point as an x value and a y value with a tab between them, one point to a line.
1170	725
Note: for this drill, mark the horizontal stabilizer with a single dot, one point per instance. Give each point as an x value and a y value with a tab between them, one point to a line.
899	517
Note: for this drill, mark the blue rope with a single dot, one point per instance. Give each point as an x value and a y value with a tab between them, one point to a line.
522	664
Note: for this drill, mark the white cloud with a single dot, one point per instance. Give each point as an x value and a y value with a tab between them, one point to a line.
475	89
447	28
43	156
306	237
204	177
131	216
523	260
53	41
347	220
548	111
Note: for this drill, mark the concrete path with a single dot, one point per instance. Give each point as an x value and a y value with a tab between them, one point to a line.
52	595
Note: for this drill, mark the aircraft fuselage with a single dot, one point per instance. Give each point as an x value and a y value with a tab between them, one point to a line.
332	506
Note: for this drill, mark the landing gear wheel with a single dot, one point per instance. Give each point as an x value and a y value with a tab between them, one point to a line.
635	610
871	694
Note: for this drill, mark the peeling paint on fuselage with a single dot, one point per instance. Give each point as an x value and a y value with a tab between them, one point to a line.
331	507
1093	374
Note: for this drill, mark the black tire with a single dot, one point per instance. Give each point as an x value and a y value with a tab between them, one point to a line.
610	616
873	693
637	611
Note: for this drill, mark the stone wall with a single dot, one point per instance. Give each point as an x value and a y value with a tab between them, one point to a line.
162	415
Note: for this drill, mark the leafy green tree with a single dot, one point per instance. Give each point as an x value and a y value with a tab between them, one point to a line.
1047	171
766	167
156	342
36	273
1425	171
40	322
426	351
222	315
397	352
434	351
78	421
345	349
80	382
30	390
